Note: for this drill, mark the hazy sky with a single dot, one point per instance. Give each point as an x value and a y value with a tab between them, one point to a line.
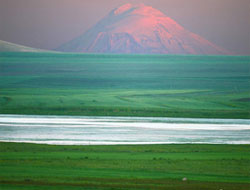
49	23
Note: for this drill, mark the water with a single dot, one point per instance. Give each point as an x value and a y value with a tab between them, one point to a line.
73	130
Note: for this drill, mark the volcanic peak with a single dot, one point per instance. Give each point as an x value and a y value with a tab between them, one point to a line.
123	9
138	9
140	29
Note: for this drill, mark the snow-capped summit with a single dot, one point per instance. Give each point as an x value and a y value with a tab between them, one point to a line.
140	29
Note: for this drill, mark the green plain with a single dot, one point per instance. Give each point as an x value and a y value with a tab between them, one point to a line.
125	85
210	167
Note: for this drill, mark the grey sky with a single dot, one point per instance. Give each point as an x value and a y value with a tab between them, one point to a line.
49	23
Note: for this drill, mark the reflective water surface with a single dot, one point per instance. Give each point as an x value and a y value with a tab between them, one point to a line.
74	130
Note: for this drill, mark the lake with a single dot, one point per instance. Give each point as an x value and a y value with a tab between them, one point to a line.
77	130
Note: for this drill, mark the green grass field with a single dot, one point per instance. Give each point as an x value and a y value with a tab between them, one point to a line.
125	85
210	167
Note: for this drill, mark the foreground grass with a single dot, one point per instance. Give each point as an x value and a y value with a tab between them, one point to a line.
125	85
30	166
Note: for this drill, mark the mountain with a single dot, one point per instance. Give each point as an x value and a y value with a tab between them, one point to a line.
140	29
11	47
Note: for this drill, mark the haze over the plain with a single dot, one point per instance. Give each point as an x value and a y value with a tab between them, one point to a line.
47	24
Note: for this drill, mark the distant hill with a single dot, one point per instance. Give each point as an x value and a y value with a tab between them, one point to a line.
140	29
11	47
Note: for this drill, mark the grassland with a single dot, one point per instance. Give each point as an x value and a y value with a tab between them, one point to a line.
125	85
210	167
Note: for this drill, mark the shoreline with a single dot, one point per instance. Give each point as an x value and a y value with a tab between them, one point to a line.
122	144
123	116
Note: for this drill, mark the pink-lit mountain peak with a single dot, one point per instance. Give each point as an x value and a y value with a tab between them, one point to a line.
139	20
140	29
139	9
123	9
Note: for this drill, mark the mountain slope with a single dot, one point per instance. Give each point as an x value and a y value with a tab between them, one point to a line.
11	47
140	29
